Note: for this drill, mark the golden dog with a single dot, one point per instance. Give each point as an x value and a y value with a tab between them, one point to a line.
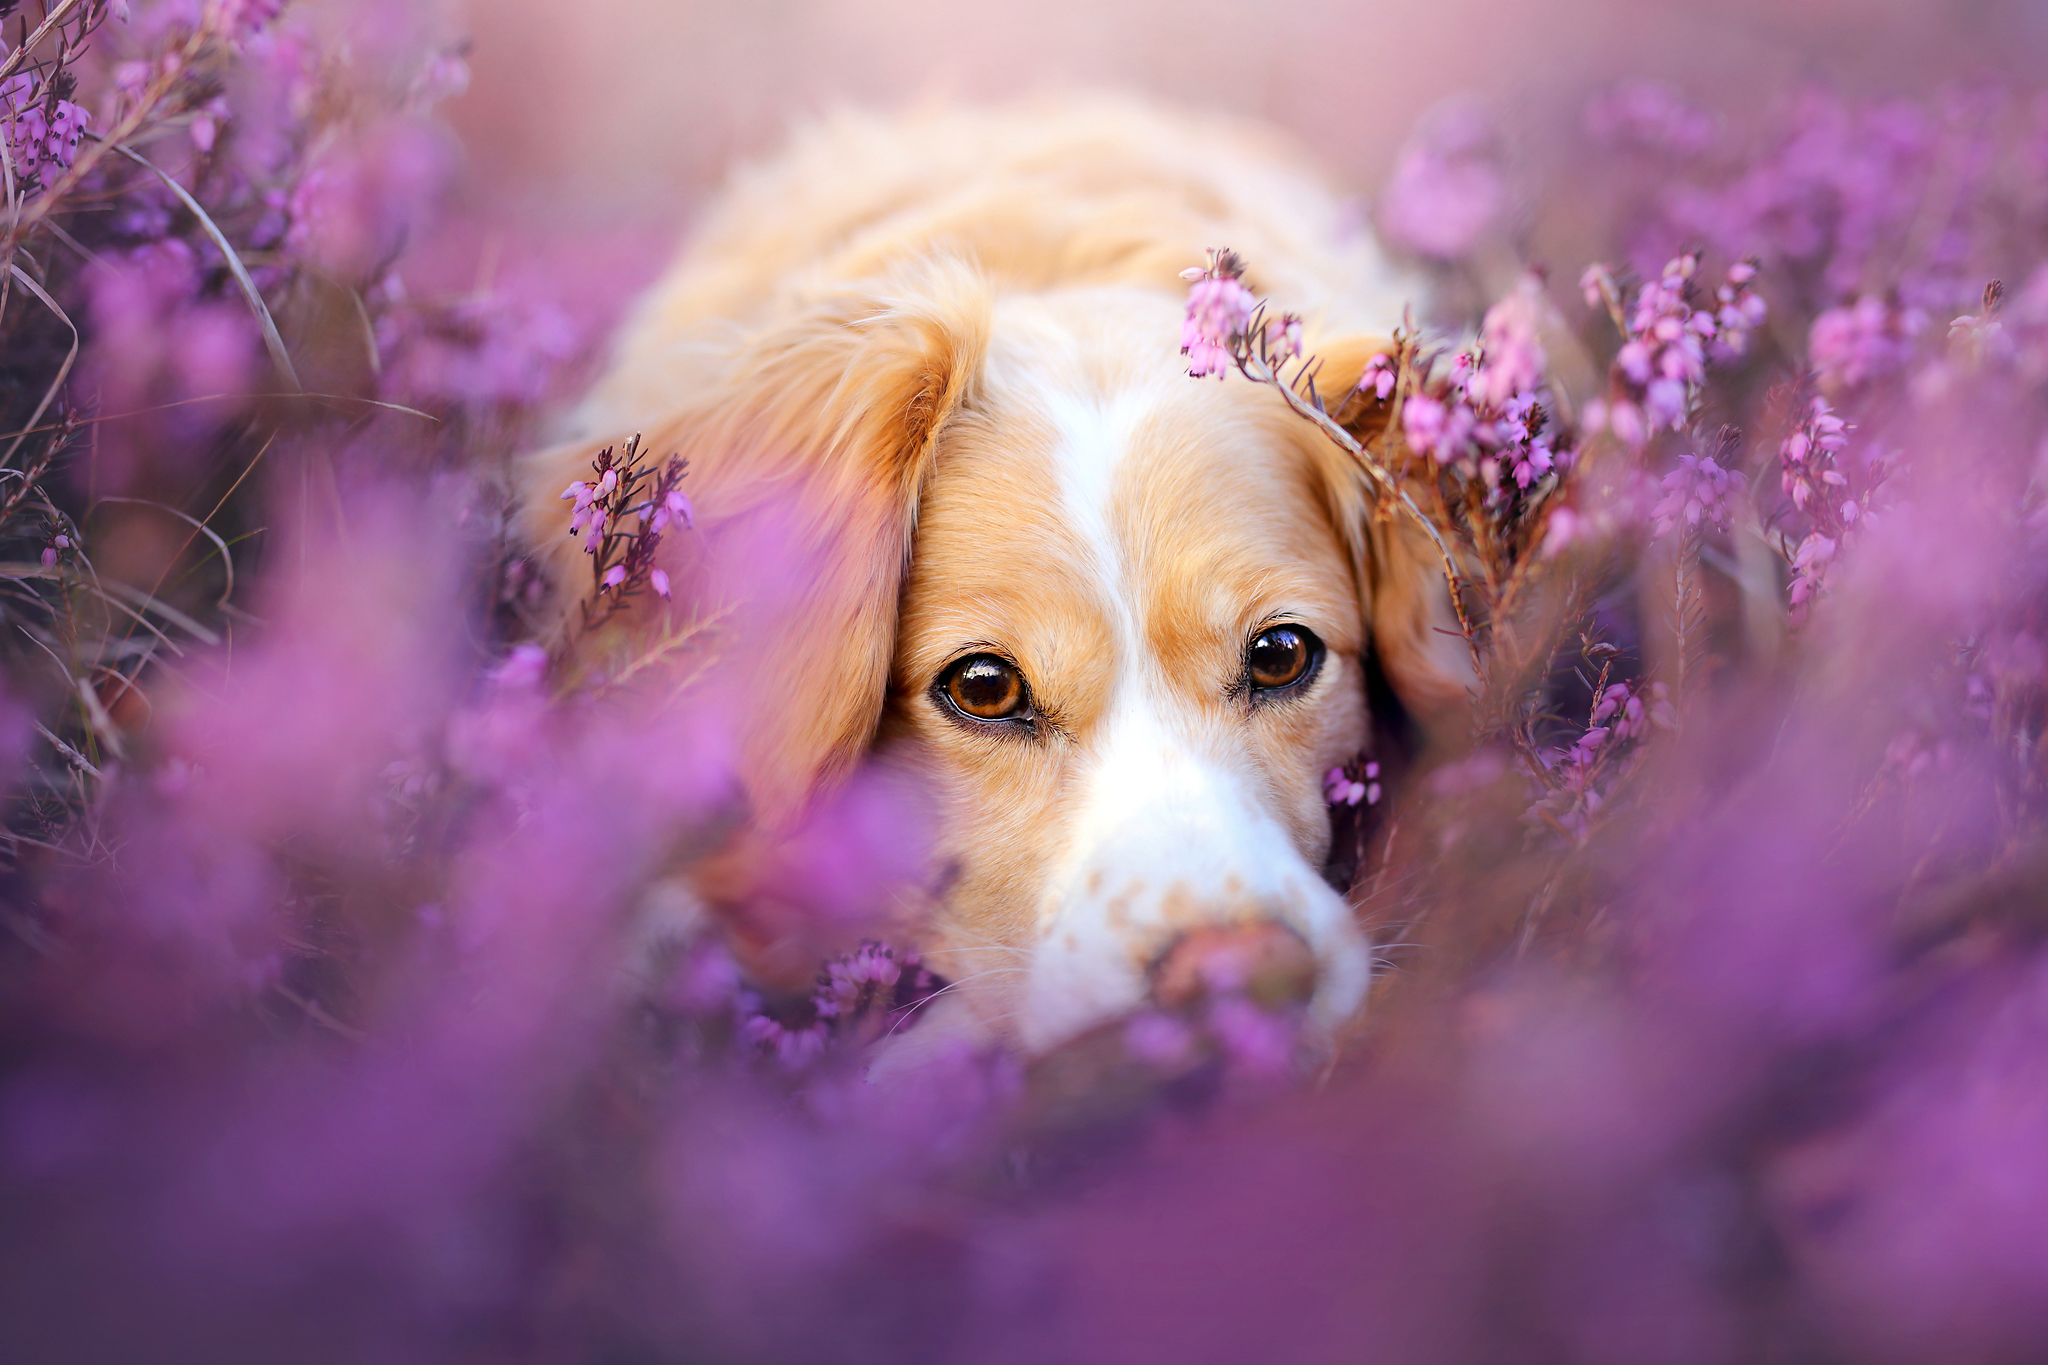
1113	618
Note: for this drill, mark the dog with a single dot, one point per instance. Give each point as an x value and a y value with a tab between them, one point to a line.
1114	620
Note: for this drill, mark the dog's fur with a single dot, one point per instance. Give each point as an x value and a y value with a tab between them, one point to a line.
925	371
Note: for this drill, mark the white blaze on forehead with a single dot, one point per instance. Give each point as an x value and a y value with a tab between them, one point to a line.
1168	831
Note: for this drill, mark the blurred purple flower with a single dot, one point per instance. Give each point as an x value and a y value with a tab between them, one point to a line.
1697	493
1862	341
1651	116
1447	188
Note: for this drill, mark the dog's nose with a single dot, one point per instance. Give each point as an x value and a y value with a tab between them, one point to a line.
1264	962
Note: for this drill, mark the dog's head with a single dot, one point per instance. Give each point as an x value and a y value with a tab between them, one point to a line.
1115	618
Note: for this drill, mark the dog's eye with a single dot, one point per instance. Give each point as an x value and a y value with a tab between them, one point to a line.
985	687
1280	657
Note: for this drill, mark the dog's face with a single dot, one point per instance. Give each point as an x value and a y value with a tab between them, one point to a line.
1128	648
1112	617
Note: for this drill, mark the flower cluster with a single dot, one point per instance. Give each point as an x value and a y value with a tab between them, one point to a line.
1448	188
1572	783
1651	116
41	129
860	995
1620	707
1485	410
1666	341
1219	312
1816	479
1352	783
1223	316
1697	493
622	558
1862	341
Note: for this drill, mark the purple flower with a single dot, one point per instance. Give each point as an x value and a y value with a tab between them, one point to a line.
42	131
1219	310
1862	341
1698	492
1652	117
1340	788
1379	377
1510	342
1447	186
1157	1039
1422	421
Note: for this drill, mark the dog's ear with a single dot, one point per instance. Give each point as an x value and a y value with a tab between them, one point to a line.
807	454
1400	574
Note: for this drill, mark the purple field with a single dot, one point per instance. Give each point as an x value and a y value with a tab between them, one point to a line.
1714	1018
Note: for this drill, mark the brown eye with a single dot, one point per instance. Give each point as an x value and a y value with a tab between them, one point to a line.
985	687
1280	657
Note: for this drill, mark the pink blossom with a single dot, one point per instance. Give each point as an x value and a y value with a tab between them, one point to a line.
1509	338
1698	492
1379	377
1862	341
42	131
1157	1039
1447	187
1219	309
1652	117
1422	421
1560	531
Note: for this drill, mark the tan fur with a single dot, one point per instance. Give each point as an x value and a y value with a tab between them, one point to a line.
847	357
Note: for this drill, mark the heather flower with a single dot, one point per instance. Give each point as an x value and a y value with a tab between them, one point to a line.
1340	788
1447	187
1379	377
1699	492
1862	341
1219	310
1620	710
1283	338
354	207
1562	528
858	995
1665	345
1256	1042
245	18
1157	1039
41	130
1509	340
1422	422
482	353
1650	116
1531	463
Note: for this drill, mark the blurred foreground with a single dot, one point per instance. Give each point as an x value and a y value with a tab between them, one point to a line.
1717	1028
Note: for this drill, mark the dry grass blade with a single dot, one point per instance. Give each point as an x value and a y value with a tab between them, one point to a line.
148	603
271	340
227	560
56	16
97	719
70	755
63	371
230	398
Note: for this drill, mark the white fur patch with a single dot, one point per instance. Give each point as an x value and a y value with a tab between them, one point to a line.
1169	833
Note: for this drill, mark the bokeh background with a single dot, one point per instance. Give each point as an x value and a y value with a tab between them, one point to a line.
640	106
318	873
